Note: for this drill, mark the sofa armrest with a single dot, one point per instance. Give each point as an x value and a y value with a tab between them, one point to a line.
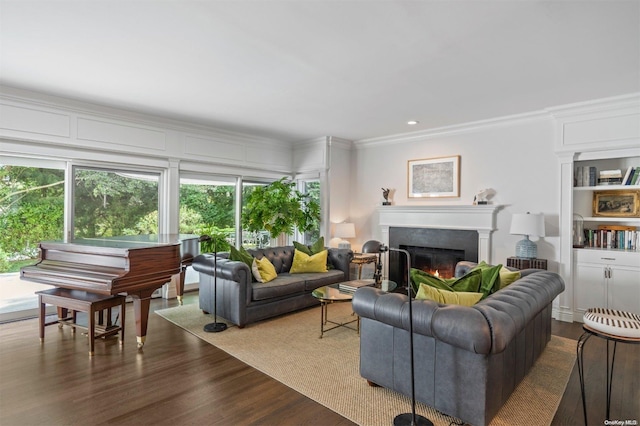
227	269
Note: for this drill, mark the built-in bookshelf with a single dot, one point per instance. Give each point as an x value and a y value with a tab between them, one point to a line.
608	206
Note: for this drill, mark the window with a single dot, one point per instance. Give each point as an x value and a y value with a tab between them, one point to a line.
259	239
108	203
31	210
207	207
312	187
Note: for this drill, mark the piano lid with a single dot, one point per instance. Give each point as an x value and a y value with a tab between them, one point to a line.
189	243
148	238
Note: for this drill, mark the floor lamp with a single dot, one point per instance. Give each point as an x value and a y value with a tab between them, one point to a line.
215	326
411	418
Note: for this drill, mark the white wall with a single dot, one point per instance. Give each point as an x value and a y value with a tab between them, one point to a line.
81	131
515	157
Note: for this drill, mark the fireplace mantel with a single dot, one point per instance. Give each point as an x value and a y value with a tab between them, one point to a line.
479	218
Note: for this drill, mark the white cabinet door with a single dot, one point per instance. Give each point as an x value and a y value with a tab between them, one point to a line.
590	288
624	289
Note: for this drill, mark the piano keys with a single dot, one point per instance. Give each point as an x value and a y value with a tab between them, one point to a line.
135	265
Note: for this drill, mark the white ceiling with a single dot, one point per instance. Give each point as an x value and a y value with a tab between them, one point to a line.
296	70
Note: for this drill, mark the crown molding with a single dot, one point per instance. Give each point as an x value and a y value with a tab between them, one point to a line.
631	100
58	103
453	129
627	101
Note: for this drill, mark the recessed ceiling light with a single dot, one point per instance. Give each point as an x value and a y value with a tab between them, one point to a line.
412	122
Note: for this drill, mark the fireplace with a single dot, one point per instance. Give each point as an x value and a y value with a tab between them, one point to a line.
436	261
430	250
440	233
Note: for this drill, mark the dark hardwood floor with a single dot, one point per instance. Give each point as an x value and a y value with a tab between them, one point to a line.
178	379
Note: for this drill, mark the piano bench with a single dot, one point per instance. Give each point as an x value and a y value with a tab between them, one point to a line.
82	301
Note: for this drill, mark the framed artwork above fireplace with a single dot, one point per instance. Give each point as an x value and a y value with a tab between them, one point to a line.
434	177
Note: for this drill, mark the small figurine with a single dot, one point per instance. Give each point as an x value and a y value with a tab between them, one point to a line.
385	194
483	196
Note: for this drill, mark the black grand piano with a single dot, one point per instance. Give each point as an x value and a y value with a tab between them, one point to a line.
135	265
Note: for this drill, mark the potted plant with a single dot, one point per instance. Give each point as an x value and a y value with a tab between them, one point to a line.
279	208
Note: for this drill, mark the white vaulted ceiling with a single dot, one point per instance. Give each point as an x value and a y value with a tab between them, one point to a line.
296	70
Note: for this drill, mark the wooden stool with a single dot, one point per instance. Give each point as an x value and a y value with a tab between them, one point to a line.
613	326
82	301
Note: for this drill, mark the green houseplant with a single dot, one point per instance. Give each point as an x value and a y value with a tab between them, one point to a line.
279	208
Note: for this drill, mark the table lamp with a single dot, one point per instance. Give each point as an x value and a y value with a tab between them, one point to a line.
342	231
527	224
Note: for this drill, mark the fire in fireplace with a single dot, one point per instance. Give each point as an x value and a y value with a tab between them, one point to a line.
431	250
436	261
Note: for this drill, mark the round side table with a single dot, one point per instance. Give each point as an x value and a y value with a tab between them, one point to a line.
613	326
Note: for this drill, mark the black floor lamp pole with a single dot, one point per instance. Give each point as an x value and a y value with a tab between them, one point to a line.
411	418
215	326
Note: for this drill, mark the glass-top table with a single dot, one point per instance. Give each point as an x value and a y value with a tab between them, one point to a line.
343	292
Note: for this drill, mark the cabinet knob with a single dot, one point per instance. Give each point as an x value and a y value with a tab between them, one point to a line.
607	258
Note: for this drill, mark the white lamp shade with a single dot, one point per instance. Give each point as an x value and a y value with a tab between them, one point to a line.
527	224
344	230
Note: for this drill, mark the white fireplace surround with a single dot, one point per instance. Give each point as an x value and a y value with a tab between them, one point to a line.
479	218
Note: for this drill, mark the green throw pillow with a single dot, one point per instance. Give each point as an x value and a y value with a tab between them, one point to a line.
463	298
303	248
421	277
469	282
507	277
314	248
241	255
490	278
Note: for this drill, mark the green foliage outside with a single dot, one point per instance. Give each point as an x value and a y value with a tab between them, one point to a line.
31	210
280	208
110	204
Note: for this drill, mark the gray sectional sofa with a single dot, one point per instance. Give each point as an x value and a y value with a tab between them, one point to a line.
468	360
241	300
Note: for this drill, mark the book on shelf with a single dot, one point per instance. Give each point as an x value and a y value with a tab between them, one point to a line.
610	181
585	176
611	173
626	180
351	286
613	237
635	180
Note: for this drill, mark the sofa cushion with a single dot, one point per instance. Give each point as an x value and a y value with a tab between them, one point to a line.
471	281
490	278
507	276
302	262
315	280
314	248
263	270
241	255
463	298
284	285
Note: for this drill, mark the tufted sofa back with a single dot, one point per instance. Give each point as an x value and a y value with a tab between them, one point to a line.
280	257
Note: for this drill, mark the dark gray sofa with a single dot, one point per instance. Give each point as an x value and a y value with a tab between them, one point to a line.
243	301
468	360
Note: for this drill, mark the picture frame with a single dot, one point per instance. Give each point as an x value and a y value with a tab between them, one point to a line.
616	203
434	177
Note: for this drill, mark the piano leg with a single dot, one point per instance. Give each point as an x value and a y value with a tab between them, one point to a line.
141	304
178	281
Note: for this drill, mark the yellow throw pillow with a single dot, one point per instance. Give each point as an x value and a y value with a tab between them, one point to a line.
263	270
507	277
302	262
464	298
